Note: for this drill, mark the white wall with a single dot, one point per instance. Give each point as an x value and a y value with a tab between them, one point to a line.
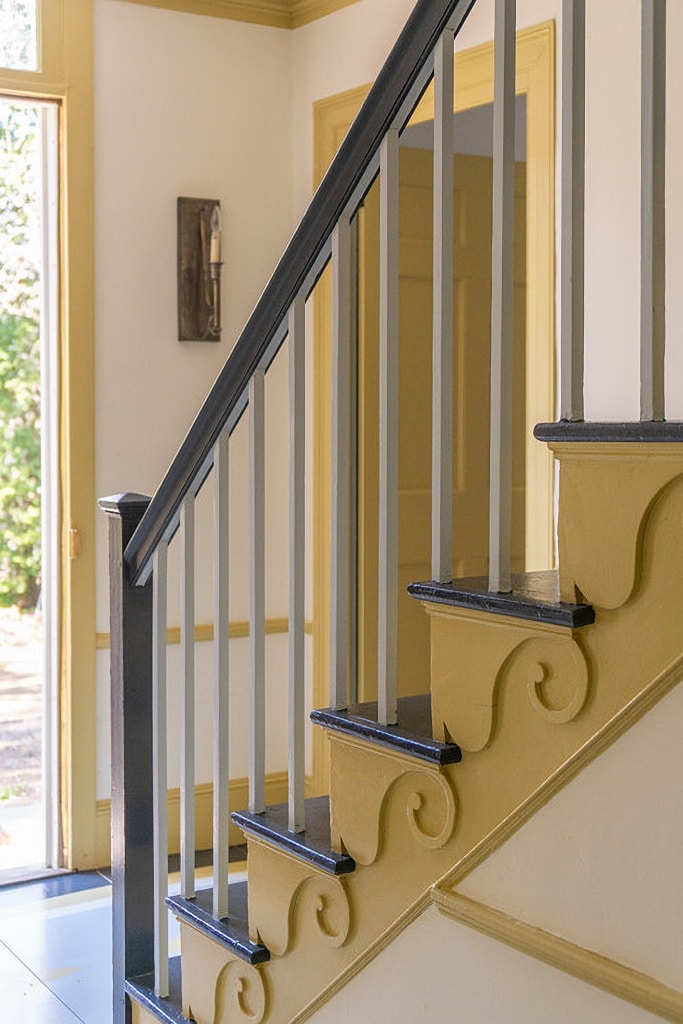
184	106
439	970
600	864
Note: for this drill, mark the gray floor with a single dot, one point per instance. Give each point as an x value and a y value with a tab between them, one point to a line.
55	951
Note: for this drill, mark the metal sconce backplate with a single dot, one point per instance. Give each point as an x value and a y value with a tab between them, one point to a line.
195	292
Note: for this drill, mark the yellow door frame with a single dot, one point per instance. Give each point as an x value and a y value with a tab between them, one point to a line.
66	77
474	87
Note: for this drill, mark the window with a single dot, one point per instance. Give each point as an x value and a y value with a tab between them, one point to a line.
56	36
18	35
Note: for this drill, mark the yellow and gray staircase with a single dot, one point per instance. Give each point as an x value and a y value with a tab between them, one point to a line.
526	689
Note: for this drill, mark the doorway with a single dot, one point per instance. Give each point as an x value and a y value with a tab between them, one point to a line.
473	177
29	783
474	88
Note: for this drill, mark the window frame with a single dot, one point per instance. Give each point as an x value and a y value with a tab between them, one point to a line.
65	75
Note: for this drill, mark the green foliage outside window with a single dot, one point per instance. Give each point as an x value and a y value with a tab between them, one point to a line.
18	36
19	358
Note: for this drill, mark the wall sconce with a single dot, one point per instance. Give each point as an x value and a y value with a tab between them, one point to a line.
199	269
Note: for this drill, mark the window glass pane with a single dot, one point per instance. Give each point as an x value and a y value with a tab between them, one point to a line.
18	35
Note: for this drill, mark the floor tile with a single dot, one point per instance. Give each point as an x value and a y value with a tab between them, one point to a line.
25	998
65	942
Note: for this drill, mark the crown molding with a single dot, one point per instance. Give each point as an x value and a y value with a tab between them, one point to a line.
275	13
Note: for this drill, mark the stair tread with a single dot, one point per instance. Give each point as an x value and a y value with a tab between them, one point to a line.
168	1009
412	735
231	932
535	596
637	431
312	845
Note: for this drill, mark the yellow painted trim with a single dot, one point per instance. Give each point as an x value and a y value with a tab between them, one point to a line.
440	893
276	793
331	119
612	977
287	14
579	450
305	11
66	76
51	78
204	633
486	618
78	439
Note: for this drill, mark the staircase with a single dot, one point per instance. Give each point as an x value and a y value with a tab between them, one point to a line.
531	673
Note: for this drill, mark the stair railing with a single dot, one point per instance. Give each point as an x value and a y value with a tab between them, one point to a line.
139	655
326	235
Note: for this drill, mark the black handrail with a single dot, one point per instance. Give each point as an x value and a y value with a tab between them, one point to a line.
384	102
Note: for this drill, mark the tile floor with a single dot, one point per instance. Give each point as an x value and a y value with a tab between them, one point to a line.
55	948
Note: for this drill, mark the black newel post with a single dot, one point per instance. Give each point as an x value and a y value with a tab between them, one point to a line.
131	756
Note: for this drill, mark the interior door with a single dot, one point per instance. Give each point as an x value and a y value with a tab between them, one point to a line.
472	329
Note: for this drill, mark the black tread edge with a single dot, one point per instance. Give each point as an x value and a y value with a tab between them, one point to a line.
167	1009
423	749
570	616
647	430
218	930
294	842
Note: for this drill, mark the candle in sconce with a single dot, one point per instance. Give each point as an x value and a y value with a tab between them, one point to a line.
215	249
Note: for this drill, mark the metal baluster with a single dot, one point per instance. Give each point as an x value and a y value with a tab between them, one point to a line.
653	210
339	527
573	204
221	676
257	592
297	567
187	711
442	359
502	296
352	690
160	769
388	429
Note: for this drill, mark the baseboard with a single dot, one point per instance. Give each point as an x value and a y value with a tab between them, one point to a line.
609	975
276	793
203	632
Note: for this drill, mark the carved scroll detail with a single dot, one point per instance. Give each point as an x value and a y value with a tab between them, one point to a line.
240	994
418	803
430	806
556	675
325	901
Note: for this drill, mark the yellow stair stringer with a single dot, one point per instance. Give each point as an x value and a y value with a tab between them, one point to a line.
323	930
139	1015
591	967
551	699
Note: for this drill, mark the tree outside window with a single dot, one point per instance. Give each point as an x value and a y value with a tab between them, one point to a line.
20	513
